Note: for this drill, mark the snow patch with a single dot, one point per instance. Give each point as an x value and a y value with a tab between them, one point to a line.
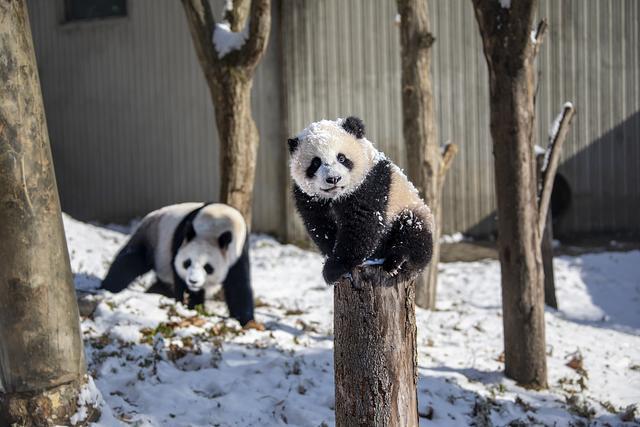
89	399
454	238
226	40
188	368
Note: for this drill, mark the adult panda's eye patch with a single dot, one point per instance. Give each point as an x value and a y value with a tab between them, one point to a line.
313	167
186	263
208	268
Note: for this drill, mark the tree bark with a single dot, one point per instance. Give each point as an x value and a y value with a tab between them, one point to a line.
375	355
426	166
229	78
41	354
547	264
510	55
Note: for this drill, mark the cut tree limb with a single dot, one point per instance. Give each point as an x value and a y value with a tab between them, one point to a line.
375	357
539	35
549	169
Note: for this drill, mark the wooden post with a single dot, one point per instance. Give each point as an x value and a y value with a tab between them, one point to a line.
375	355
41	353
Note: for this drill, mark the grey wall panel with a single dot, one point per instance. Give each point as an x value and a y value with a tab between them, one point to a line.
131	123
343	58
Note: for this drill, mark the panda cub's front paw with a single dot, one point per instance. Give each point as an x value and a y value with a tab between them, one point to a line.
333	270
393	263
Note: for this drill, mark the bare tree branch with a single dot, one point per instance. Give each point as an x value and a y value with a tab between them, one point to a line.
201	25
552	159
237	15
259	28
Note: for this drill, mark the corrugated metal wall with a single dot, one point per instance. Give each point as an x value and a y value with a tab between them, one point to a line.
132	125
130	119
342	58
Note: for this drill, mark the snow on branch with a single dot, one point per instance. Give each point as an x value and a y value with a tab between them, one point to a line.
557	135
225	40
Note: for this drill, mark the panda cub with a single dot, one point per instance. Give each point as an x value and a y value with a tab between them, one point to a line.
357	206
194	249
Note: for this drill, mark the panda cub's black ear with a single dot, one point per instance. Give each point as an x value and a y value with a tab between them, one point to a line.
225	239
354	126
293	144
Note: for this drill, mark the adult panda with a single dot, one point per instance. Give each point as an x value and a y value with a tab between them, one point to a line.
194	249
356	204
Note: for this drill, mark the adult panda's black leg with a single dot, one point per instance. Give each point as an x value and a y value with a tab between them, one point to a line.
237	288
195	298
131	262
161	288
409	245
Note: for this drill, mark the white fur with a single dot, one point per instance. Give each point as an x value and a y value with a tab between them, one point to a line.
326	139
209	224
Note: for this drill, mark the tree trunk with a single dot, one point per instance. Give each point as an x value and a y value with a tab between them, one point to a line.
426	166
239	140
229	77
510	58
375	352
41	353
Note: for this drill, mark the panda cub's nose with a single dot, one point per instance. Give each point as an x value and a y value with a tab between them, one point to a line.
333	180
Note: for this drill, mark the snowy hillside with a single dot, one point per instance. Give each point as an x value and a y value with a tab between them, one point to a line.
159	364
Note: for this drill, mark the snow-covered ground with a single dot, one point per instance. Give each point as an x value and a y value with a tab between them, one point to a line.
158	364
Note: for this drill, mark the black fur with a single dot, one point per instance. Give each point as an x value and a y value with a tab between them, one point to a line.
293	144
237	288
184	231
352	229
313	167
346	162
354	126
136	259
225	239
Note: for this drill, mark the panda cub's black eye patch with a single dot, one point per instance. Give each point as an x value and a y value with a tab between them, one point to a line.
346	162
313	167
186	263
208	268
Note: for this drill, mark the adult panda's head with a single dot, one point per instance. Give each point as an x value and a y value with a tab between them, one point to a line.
331	158
213	243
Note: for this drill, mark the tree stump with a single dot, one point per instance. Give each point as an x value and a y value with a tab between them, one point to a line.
375	357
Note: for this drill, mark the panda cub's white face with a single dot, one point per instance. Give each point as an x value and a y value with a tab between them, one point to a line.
200	264
328	162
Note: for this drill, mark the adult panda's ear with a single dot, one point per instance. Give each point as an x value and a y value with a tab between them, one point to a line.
293	144
354	126
190	233
225	239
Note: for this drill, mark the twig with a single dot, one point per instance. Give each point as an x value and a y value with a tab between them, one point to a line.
553	155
